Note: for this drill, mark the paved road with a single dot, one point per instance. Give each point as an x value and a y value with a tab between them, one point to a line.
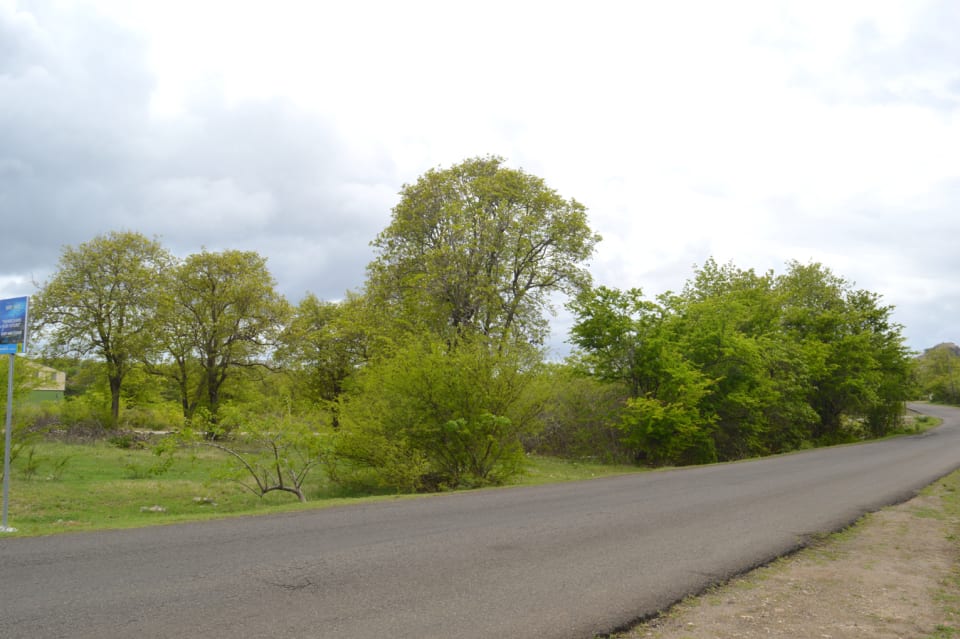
559	561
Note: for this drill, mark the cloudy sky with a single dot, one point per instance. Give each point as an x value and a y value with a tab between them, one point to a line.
753	132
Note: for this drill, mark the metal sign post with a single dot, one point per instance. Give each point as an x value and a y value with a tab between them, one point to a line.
7	448
13	340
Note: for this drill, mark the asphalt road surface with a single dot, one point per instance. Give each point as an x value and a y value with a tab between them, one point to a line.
567	560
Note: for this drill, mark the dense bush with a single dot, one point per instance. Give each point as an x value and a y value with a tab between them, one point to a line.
435	415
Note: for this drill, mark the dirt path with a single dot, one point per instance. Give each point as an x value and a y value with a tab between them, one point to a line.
896	574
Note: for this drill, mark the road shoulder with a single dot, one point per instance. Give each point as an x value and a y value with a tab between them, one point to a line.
895	573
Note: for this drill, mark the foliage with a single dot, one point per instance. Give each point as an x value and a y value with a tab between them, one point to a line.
938	373
740	364
23	429
161	462
479	247
321	347
615	335
668	425
23	438
101	302
223	314
580	416
434	416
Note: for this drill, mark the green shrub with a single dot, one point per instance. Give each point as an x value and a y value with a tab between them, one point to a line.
436	415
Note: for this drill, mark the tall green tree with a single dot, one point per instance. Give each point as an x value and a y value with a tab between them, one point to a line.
856	361
740	364
726	322
102	302
620	337
616	334
480	247
224	315
322	347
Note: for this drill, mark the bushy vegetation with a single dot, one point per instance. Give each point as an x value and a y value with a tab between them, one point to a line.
433	376
739	364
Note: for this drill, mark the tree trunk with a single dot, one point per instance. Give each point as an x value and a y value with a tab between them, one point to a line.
115	381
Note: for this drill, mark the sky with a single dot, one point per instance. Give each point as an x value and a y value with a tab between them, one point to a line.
752	132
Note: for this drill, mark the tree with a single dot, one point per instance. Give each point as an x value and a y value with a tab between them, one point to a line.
740	364
622	338
456	299
855	358
224	314
102	302
615	334
174	353
322	347
726	322
479	248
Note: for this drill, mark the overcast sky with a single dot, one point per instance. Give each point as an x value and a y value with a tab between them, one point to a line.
752	132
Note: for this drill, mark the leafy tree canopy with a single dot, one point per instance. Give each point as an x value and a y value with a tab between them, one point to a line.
102	301
480	247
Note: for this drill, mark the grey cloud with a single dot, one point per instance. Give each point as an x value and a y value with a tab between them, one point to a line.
266	177
64	118
80	154
906	253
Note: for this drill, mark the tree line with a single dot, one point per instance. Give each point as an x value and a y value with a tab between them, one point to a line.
740	364
434	374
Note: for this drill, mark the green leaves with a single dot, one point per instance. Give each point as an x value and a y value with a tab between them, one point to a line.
457	412
102	301
741	364
456	304
222	314
479	248
938	373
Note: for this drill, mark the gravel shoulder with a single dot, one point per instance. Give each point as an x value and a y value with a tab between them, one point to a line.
894	574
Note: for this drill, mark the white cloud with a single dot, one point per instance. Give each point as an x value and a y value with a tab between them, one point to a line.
752	131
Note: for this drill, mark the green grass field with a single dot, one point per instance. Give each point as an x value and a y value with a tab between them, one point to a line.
79	487
63	487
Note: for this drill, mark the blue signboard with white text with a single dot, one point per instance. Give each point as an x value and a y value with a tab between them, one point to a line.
13	325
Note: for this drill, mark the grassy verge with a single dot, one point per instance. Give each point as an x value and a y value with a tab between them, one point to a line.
80	487
948	595
73	487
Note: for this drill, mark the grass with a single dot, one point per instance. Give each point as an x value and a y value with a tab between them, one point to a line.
58	487
83	487
948	596
548	470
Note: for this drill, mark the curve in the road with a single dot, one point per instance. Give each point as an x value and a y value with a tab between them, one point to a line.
565	560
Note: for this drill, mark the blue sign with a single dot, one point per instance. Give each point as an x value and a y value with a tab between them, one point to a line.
13	325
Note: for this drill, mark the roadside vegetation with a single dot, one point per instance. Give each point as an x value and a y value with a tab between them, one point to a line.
434	376
95	484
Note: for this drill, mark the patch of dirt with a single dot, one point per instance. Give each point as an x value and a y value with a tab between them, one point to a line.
893	575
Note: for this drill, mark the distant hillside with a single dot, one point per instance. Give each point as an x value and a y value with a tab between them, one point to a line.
952	348
938	373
